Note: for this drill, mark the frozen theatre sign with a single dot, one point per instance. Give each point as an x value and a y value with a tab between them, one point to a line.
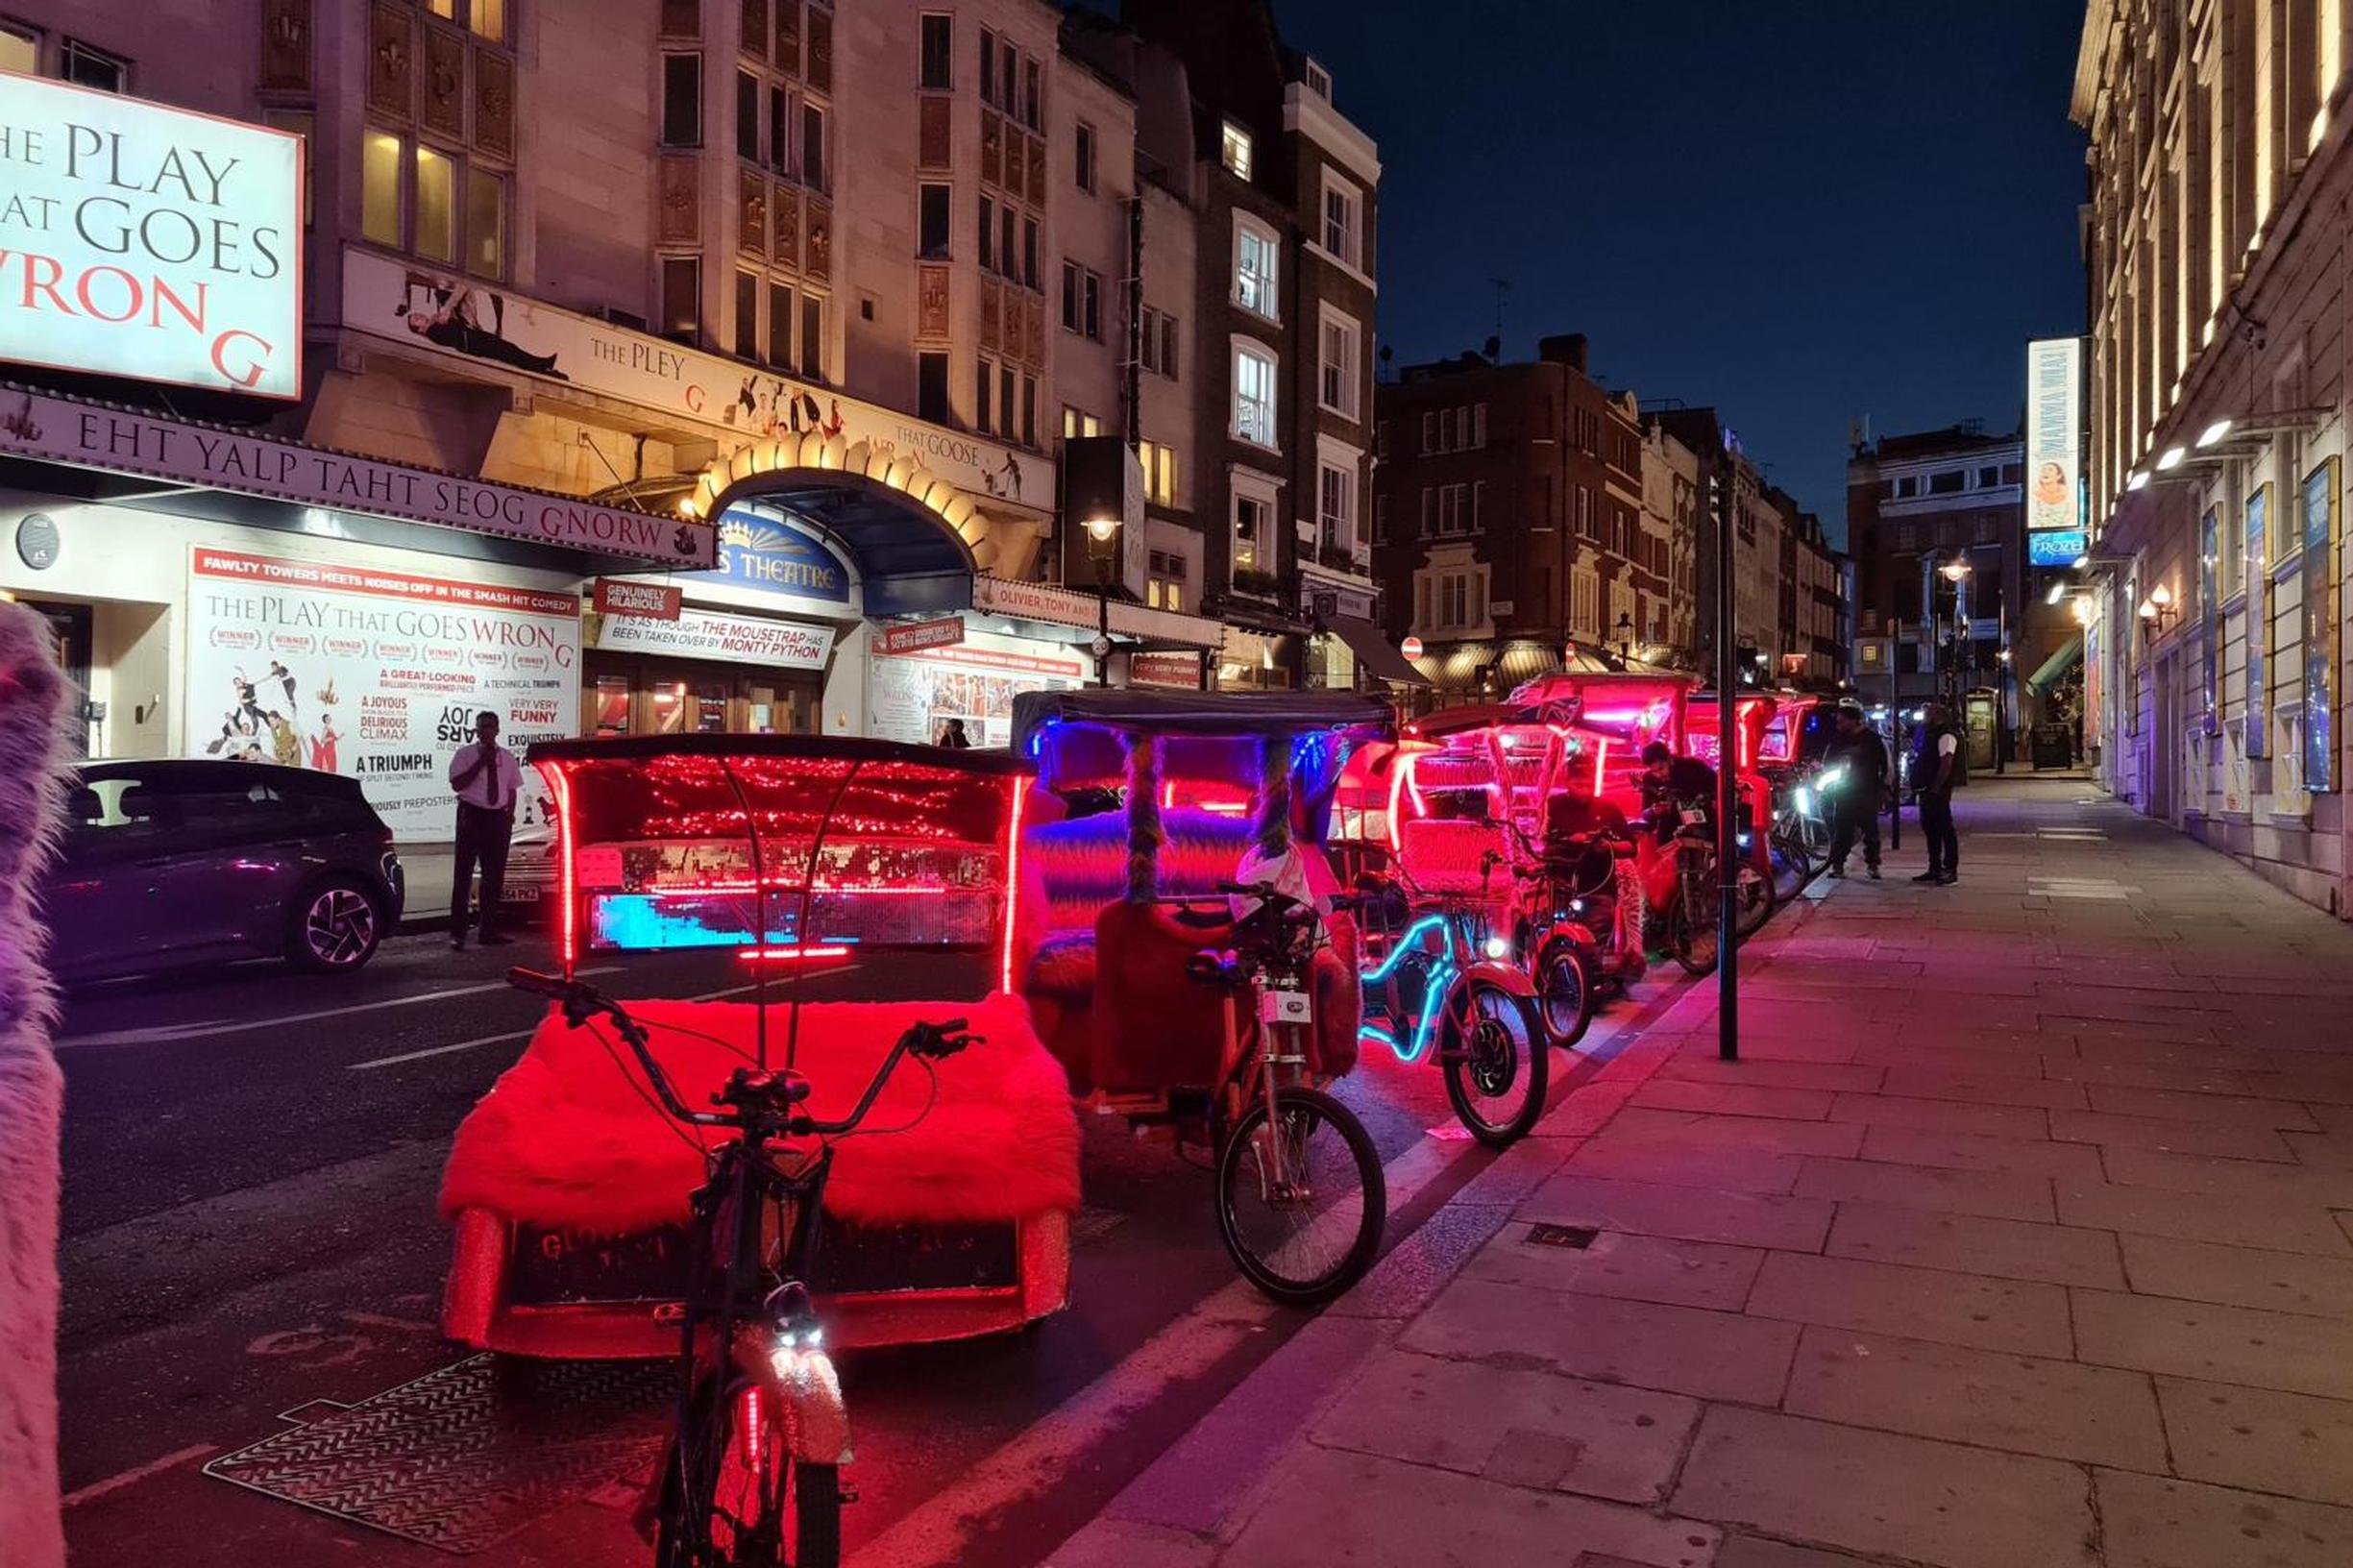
91	435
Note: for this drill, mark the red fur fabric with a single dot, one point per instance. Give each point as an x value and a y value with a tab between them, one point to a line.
564	1139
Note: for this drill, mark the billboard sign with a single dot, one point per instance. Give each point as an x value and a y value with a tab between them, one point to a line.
149	242
2056	546
737	639
2054	435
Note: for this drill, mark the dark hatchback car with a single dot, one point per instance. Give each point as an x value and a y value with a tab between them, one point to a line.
167	864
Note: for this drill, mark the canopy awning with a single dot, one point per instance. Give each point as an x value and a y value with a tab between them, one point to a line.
2070	653
1374	651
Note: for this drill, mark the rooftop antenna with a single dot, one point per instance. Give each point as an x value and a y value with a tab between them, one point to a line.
1503	293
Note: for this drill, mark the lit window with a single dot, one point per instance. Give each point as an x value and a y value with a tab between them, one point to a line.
1159	461
379	188
1076	423
1336	506
1234	150
436	206
488	20
1250	515
486	224
1254	395
20	50
1255	261
1344	223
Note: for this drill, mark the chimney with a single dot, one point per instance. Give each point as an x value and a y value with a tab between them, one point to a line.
1566	349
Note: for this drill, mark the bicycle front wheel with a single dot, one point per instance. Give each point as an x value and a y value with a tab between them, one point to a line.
1753	893
1497	1061
733	1498
1691	927
1301	1198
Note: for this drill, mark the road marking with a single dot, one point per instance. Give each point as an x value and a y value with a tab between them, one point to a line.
137	1473
455	1046
169	1032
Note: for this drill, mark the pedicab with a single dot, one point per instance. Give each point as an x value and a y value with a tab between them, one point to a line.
1754	714
1790	756
1194	968
864	887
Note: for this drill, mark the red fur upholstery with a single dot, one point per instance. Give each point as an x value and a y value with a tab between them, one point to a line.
1441	855
564	1139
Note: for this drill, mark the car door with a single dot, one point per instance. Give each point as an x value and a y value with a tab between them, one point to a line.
240	854
98	901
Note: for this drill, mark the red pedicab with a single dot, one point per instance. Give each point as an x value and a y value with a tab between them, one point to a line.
1754	714
1192	969
949	1218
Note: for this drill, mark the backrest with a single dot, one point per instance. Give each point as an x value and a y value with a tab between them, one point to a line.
1442	856
1082	863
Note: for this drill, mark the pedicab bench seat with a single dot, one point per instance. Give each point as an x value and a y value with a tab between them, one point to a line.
569	1190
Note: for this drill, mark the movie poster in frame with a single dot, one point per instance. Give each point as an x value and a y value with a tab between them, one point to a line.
2256	623
2209	617
2322	499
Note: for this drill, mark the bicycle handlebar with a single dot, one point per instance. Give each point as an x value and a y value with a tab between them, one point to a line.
755	1093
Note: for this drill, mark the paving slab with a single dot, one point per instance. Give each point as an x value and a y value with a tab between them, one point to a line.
1686	1213
2322	1151
1928	1186
1622	1265
2151	1521
1685	1162
2260	1439
2200	1216
2264	1181
1329	1507
1757	1552
2287	1351
1117	1543
2021	1058
1913	1498
1942	1115
2236	1109
1984	1089
2017	1404
2192	1080
1926	1304
1646	1344
1969	1244
1734	1099
1762	1133
1708	1067
1529	1429
2280	1282
1968	1151
2233	1142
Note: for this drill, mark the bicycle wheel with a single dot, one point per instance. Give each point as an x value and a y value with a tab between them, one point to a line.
1790	851
1753	893
1691	927
1308	1232
1564	991
1496	1060
725	1503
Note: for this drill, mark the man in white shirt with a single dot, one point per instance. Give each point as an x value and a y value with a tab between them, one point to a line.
487	778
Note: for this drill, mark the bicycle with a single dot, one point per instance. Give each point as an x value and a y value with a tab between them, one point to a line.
1692	909
762	1430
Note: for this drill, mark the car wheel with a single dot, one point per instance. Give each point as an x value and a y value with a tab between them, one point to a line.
333	928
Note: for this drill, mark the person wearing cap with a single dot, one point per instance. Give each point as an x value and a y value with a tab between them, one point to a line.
1933	772
1860	757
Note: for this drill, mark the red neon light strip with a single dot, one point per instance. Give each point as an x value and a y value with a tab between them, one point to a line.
1601	762
789	955
1012	880
561	788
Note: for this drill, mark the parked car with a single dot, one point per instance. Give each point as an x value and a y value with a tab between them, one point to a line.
531	859
173	863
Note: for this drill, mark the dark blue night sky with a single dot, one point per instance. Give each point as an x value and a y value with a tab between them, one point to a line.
1804	211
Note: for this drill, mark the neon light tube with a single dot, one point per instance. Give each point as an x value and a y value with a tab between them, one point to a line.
1012	880
1601	762
790	955
561	787
1404	945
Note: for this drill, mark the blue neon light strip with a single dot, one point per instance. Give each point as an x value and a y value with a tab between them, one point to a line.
1442	979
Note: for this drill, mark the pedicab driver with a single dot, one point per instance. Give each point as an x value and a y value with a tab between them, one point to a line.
1669	782
1861	789
487	778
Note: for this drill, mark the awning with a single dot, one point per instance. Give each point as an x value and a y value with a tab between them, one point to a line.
1374	651
2067	656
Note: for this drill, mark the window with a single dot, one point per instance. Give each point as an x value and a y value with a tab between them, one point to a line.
682	297
1160	342
1082	301
1584	514
1254	393
1339	366
988	235
1076	423
1234	150
1316	79
1344	220
1082	153
87	67
1381	520
931	383
1250	515
813	337
1335	507
1007	258
681	100
1032	100
20	50
985	382
1255	252
1159	471
1479	424
780	324
1989	478
987	67
1947	483
1029	411
938	54
1006	420
379	188
488	20
1905	487
1029	252
813	146
747	315
779	129
931	221
1008	66
747	116
485	223
436	237
1452	510
1165	588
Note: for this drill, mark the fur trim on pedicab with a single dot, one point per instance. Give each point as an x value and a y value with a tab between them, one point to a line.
565	1139
33	701
1145	832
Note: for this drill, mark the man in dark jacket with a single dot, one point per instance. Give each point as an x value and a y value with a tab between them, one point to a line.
1670	781
1859	757
1933	772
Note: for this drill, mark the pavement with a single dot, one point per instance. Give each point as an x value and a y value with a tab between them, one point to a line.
2017	1237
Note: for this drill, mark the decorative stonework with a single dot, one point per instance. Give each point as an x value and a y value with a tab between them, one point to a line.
820	51
819	263
494	103
444	108
392	61
931	301
991	315
285	46
1037	170
679	213
751	212
934	138
755	28
788	37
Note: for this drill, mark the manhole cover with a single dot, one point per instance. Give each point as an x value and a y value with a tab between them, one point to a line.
1578	1238
463	1458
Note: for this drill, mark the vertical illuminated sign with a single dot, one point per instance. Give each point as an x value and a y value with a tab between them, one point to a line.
2054	436
2209	610
2321	531
2256	627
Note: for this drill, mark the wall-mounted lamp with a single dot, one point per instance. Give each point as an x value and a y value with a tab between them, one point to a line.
2157	611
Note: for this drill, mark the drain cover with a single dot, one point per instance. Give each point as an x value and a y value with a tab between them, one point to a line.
461	1459
1578	1238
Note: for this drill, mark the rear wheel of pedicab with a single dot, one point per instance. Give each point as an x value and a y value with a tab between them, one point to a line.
1301	1200
1753	893
1564	991
1493	1049
1691	925
732	1497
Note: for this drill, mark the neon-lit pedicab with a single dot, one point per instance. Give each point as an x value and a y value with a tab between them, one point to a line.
866	886
1195	966
1753	717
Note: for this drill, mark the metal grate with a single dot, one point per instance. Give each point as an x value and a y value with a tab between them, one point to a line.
1577	1237
463	1458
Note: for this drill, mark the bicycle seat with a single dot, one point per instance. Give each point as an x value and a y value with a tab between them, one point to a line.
1216	967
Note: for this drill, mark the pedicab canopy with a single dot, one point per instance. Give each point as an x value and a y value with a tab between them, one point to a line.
790	847
1752	716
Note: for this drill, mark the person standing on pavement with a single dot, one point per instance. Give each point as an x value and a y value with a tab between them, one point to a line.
1933	771
1858	752
487	778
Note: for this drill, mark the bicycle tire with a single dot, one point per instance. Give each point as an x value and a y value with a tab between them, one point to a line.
720	1471
1493	1064
1753	891
1564	1027
1234	1163
1684	937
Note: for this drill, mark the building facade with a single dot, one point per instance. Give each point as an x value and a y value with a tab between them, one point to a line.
2214	594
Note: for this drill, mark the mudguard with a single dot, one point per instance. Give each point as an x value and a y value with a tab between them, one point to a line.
807	1393
1508	977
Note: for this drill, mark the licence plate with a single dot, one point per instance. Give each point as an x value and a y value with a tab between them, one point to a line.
522	893
1286	1007
1693	817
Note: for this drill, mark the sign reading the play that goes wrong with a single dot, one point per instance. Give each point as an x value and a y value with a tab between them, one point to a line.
150	242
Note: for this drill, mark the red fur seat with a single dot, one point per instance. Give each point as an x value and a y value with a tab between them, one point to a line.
565	1139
